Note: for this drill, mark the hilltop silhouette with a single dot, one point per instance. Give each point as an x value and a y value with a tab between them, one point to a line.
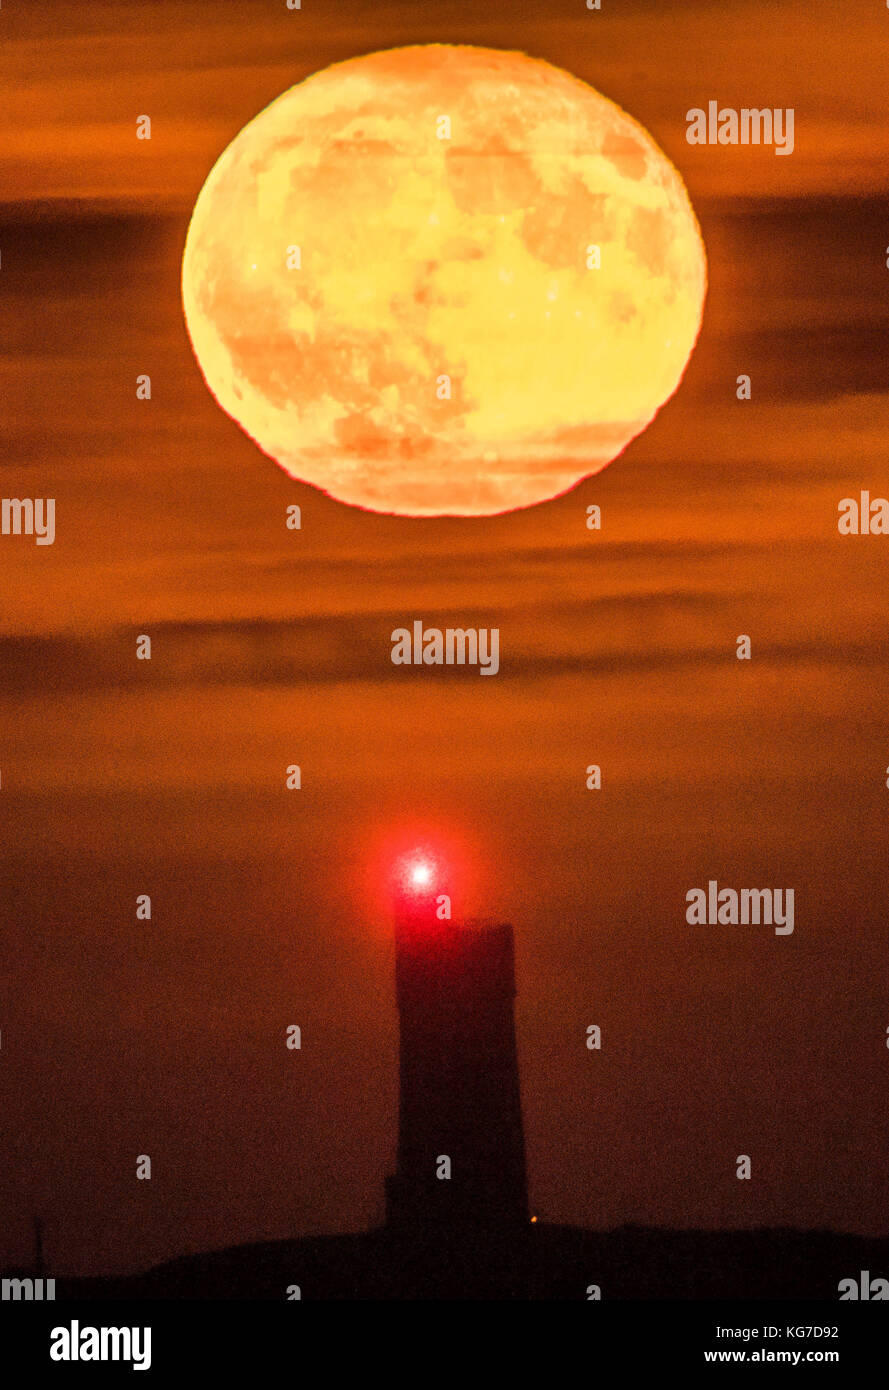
543	1262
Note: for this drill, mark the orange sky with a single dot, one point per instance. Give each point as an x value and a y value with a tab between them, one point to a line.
272	647
71	95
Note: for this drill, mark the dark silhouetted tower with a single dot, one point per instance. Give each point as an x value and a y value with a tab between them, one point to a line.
460	1097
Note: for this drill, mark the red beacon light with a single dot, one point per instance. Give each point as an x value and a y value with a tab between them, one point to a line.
417	894
416	874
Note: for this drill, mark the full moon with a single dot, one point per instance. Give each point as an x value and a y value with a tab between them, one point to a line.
443	280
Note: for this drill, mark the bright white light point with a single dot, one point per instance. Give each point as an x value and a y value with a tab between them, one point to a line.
421	874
